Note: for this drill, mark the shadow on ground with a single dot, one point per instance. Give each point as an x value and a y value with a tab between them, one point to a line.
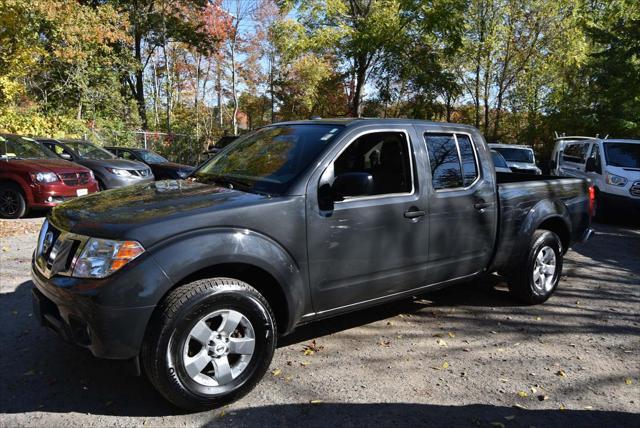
413	415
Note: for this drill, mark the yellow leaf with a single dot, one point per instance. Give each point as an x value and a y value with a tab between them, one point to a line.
451	334
523	394
562	407
445	365
308	352
628	381
276	372
538	318
304	363
561	373
315	401
441	342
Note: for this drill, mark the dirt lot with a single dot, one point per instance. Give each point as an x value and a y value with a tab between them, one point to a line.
466	356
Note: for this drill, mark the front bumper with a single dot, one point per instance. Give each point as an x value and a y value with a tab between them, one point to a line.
623	206
50	195
75	309
112	181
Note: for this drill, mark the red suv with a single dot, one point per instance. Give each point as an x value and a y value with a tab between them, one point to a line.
33	177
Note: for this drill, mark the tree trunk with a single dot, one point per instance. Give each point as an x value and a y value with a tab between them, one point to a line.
361	75
138	93
234	93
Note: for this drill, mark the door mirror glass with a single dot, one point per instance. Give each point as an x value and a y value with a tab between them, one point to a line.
66	156
352	184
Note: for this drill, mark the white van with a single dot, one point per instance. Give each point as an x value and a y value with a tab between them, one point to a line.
519	159
612	165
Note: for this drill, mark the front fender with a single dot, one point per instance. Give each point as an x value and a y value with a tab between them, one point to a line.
20	181
186	254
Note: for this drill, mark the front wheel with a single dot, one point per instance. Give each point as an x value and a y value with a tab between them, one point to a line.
209	343
535	280
12	202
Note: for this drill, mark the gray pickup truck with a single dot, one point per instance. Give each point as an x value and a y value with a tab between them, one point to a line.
195	280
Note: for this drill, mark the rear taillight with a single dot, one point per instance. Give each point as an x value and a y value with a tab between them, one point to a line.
592	200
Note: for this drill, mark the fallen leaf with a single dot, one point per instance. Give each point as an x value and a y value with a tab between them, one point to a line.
588	407
289	363
543	397
445	365
628	381
276	372
451	334
304	363
561	373
288	378
438	335
308	352
523	394
562	407
510	417
441	342
315	401
497	424
534	389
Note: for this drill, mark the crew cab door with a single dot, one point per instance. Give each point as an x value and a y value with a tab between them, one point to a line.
462	206
367	228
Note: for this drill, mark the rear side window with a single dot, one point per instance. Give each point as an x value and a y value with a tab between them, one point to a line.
576	152
452	159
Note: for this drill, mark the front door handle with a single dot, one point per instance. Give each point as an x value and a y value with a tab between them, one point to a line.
414	213
481	204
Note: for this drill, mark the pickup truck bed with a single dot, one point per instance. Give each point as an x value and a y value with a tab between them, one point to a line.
521	197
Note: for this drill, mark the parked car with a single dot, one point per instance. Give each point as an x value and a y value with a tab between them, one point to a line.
110	172
612	165
31	177
499	162
520	159
161	167
297	222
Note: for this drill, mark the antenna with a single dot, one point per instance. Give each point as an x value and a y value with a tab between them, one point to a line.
606	136
556	134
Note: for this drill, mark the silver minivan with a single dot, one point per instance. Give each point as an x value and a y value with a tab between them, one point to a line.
612	165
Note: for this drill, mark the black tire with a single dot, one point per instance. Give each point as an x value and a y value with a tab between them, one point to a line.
169	332
522	281
12	201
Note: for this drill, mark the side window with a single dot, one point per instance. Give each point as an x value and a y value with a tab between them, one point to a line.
384	157
124	154
453	161
595	154
576	152
468	159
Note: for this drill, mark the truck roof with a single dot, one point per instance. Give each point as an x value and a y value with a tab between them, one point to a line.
510	146
346	121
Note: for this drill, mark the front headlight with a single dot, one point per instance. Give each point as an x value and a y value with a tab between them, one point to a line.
102	257
44	177
615	180
120	172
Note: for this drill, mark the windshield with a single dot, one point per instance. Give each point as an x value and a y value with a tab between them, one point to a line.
268	160
516	154
88	150
623	155
150	157
498	160
15	147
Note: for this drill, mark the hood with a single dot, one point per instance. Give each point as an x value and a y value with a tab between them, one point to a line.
113	163
172	166
149	212
47	165
631	174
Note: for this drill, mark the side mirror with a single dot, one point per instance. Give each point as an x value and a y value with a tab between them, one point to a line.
592	166
66	156
352	184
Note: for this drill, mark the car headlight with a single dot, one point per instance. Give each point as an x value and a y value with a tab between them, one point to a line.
615	180
44	177
102	257
120	172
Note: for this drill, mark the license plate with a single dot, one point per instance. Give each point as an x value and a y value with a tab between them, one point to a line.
82	192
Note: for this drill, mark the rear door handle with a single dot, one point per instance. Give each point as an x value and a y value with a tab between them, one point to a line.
480	205
414	213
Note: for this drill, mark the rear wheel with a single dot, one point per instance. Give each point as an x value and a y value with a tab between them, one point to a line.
12	201
209	343
536	278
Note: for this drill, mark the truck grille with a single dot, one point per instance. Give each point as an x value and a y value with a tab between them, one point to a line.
74	178
56	250
635	189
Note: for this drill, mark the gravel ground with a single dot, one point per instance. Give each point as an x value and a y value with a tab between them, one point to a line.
465	356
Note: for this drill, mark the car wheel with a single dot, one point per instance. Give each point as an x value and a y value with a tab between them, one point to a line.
12	202
209	343
537	278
